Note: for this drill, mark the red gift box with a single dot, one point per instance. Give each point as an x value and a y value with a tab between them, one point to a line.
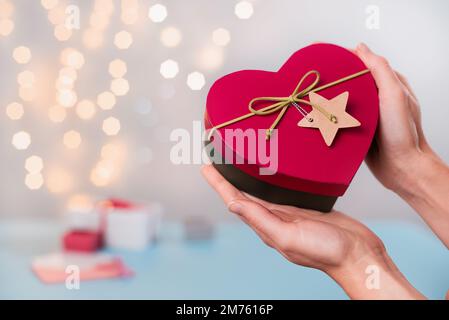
310	172
82	241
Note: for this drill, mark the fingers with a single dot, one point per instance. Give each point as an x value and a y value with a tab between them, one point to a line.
226	190
385	77
272	229
405	83
414	109
269	227
260	219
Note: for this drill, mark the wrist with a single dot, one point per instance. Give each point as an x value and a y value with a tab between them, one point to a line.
426	189
373	276
414	175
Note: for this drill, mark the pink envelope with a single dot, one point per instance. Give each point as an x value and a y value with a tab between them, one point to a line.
54	268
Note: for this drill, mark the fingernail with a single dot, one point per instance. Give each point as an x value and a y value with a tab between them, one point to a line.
235	207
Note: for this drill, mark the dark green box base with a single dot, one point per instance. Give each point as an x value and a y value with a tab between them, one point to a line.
275	194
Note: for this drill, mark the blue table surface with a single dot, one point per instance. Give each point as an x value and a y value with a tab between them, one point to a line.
233	265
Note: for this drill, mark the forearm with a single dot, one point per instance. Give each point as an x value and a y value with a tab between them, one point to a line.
375	277
426	189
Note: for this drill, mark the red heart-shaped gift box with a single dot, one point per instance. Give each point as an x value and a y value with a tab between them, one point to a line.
309	173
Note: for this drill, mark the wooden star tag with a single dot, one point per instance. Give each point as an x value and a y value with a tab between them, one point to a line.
335	106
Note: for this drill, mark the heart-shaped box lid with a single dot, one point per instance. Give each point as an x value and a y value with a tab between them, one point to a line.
305	162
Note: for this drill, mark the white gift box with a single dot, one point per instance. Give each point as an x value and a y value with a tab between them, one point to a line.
83	219
132	228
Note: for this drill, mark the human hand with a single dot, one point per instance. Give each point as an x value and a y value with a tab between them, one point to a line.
400	158
334	243
400	146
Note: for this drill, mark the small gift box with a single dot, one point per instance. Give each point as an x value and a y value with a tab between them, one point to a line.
82	240
84	232
296	136
131	226
198	228
87	219
61	267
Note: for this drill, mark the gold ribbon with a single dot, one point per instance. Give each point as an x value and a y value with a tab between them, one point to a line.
281	104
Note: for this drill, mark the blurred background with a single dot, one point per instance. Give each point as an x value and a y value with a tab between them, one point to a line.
91	90
91	109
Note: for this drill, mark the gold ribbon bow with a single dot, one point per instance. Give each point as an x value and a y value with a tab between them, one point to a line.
281	104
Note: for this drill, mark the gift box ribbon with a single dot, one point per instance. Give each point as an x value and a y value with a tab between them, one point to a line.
281	104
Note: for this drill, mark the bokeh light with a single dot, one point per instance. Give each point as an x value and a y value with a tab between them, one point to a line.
22	55
34	164
58	180
130	11
57	114
6	27
157	13
64	83
108	167
101	175
123	40
117	68
56	15
6	9
54	89
80	202
106	100
196	81
85	109
72	58
21	140
98	21
62	33
244	10
72	139
119	87
93	39
27	94
49	4
104	172
111	126
171	37
221	37
104	6
130	16
210	57
67	98
34	181
69	73
169	69
64	56
26	78
14	111
110	151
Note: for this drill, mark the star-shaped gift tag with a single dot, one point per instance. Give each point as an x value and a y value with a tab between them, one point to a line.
336	107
